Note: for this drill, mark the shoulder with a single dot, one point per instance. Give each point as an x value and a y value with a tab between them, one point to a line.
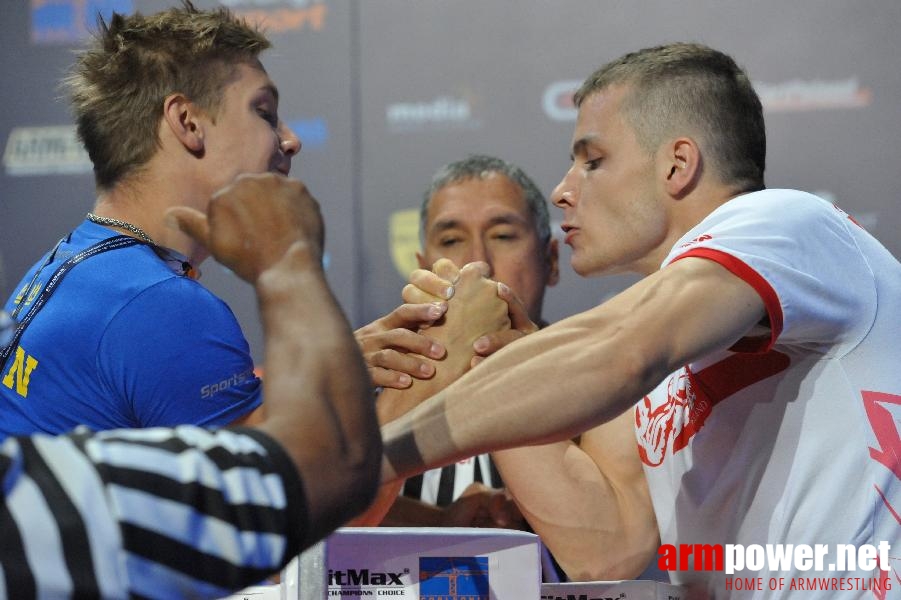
174	307
785	206
125	271
770	221
784	209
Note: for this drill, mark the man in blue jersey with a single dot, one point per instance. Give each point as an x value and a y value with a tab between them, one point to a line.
190	513
114	331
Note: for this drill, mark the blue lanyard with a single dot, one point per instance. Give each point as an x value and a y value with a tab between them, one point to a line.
113	243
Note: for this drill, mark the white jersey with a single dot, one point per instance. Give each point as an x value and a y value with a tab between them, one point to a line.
791	437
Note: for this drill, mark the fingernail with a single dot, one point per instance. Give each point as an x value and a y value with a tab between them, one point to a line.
425	369
404	379
435	311
503	288
449	292
481	344
436	351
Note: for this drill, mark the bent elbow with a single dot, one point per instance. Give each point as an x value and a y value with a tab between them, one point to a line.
608	568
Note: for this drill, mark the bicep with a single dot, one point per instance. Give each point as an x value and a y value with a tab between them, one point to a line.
687	310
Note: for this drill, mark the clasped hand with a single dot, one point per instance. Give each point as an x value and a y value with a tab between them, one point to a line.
445	308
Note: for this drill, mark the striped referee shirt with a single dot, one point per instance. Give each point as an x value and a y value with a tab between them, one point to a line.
147	513
441	487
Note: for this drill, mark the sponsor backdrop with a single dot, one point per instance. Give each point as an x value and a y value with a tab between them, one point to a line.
382	92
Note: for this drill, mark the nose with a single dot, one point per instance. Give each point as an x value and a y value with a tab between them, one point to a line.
565	194
289	143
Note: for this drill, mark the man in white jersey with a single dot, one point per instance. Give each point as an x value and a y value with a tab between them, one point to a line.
760	345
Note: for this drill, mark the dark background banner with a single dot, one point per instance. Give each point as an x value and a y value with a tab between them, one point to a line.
382	92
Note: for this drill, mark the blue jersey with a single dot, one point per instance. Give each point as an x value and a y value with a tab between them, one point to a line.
124	340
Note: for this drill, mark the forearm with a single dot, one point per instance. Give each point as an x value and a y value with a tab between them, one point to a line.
518	396
593	512
317	391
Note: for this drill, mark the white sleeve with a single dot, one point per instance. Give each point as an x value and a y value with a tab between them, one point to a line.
799	253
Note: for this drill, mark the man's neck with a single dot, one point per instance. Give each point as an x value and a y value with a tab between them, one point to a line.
685	214
142	202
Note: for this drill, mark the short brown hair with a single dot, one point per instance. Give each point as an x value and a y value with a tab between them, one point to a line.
691	86
119	83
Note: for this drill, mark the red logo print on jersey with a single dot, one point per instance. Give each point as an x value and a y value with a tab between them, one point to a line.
877	406
691	398
697	240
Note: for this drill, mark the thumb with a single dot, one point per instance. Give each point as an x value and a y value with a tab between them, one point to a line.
519	316
190	221
446	269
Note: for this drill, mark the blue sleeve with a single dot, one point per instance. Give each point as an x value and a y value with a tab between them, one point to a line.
176	354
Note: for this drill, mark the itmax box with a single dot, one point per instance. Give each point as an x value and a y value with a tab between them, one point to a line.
432	564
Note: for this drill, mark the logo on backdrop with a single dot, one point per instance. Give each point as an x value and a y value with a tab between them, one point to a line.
47	150
801	95
277	16
453	578
446	112
794	95
62	21
403	236
557	100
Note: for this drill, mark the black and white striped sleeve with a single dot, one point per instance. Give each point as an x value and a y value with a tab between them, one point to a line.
152	513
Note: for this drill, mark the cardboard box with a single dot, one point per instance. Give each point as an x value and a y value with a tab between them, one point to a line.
612	590
428	564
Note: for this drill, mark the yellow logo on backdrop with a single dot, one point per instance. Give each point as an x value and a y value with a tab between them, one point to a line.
403	236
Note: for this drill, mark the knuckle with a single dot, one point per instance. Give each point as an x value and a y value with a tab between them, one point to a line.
380	357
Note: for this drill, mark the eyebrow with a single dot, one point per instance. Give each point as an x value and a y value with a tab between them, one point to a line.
581	144
270	87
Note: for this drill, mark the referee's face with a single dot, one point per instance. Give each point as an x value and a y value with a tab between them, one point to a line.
488	219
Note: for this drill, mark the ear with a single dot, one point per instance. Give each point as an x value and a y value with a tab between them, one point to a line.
183	118
681	166
553	262
423	263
